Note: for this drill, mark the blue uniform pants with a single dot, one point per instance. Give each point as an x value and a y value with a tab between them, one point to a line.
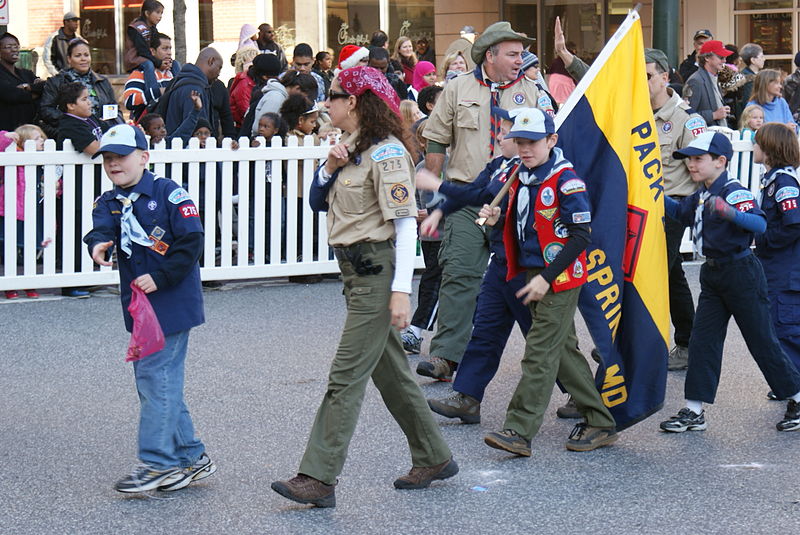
497	311
785	312
735	288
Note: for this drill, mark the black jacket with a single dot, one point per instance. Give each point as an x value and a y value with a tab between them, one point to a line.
49	112
222	106
18	106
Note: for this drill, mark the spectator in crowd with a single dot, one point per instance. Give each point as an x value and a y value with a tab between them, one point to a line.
273	94
379	39
453	65
702	88
560	81
54	54
530	69
426	100
101	94
404	60
424	75
409	110
20	89
328	134
752	56
731	84
300	115
790	90
767	91
752	119
248	49
424	50
323	63
221	102
379	59
137	96
267	45
303	62
153	126
352	55
690	65
193	77
270	125
464	45
138	45
264	68
78	123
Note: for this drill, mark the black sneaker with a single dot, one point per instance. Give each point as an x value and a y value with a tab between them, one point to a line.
144	477
791	420
509	440
201	469
686	420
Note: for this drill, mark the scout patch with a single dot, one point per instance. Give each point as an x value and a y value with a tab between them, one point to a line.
786	192
560	229
178	196
548	197
582	217
159	246
574	185
577	269
157	233
771	189
696	124
399	193
738	196
152	205
551	250
392	150
547	213
667	127
189	210
519	98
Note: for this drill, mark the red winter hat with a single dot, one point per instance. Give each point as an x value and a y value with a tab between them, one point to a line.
715	47
351	55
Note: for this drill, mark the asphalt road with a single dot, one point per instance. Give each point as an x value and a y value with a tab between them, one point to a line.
256	373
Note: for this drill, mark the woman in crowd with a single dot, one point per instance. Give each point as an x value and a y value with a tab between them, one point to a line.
404	60
424	75
454	64
767	93
248	49
20	89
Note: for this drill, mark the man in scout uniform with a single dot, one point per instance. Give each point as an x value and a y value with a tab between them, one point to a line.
677	126
463	121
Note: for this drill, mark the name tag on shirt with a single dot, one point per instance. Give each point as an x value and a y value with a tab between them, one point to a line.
110	111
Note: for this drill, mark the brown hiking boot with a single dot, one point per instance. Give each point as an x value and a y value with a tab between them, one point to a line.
569	410
306	489
420	477
584	437
458	405
678	358
509	440
438	368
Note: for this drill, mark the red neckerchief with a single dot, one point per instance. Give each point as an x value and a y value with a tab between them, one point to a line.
494	89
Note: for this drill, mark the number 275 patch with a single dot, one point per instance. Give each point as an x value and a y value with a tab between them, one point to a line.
189	210
789	204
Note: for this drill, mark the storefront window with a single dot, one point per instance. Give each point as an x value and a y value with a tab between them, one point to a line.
205	17
582	25
773	31
412	18
97	27
523	16
763	4
351	22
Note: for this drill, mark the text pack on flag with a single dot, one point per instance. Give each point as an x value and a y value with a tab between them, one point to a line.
606	129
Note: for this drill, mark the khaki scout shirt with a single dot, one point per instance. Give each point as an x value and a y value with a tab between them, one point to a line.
677	127
461	119
367	196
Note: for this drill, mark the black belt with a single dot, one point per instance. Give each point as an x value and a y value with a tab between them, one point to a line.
353	254
718	262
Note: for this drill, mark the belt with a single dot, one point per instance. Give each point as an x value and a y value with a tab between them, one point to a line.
353	254
718	262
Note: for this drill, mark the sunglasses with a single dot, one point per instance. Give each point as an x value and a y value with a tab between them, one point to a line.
333	95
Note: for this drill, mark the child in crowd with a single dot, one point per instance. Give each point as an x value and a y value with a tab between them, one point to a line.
300	115
427	98
410	112
779	246
202	131
424	76
751	120
153	126
138	40
328	134
22	134
78	124
156	226
725	216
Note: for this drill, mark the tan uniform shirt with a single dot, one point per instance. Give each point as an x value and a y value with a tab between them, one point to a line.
366	197
461	119
676	129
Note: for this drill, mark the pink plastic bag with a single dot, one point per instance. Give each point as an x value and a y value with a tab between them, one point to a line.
147	337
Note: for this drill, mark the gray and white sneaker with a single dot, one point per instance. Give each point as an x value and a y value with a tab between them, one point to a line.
202	468
144	477
791	420
686	420
411	342
678	358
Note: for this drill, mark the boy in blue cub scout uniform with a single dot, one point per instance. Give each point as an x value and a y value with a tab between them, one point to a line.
546	231
160	238
725	216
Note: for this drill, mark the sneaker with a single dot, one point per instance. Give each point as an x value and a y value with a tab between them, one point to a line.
420	477
509	440
596	356
32	294
144	477
569	411
772	396
686	420
458	405
584	437
75	292
12	294
678	358
791	420
306	489
411	342
438	368
201	469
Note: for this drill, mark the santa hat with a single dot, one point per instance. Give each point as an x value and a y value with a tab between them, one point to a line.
351	55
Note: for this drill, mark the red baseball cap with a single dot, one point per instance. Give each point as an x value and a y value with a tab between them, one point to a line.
715	47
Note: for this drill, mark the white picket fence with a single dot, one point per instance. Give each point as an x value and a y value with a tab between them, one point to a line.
295	244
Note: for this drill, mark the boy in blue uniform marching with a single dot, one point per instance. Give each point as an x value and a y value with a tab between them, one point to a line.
157	228
778	247
546	231
725	216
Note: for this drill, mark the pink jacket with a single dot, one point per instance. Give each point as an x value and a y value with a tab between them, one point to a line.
4	143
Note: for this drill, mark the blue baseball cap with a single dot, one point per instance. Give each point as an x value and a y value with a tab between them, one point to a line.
531	123
705	143
122	139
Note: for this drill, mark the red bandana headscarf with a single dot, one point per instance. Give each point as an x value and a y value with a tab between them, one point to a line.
356	80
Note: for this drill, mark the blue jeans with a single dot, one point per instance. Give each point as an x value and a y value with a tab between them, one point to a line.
166	433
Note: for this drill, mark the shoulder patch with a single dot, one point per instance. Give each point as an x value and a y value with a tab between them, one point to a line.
786	192
696	125
740	195
573	185
392	150
178	196
582	217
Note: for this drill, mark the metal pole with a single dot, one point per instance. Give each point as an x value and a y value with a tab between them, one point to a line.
666	28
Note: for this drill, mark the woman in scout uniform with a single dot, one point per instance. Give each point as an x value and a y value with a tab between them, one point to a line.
367	188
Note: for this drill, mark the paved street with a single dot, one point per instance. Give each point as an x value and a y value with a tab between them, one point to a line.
256	373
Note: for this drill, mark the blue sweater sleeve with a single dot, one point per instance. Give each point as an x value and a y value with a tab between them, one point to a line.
672	207
319	192
755	223
185	129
